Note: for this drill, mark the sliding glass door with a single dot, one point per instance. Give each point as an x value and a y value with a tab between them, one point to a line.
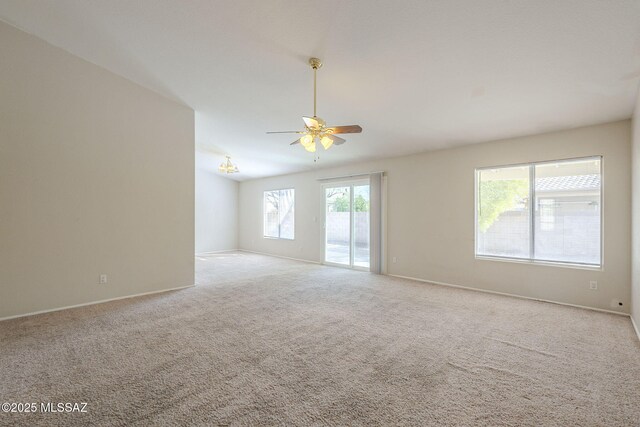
337	225
347	227
361	225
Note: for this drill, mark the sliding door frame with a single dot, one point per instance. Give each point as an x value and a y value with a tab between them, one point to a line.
351	183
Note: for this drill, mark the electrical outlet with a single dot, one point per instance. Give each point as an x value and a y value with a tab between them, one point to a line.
593	285
394	259
103	279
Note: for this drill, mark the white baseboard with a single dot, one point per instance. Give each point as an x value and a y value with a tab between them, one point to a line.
635	327
224	251
279	256
93	303
509	295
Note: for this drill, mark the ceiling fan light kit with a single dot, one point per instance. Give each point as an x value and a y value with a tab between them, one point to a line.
316	130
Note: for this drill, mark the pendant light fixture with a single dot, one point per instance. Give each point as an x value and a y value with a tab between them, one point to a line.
228	167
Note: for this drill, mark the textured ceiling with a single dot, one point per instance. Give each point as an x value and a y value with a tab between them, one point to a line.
416	75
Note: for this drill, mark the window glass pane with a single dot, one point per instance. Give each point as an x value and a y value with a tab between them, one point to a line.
286	211
503	214
361	228
271	217
567	211
338	223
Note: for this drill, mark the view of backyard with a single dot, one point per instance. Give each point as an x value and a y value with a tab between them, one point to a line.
339	230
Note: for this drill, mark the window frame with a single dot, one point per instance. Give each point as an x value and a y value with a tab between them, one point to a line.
264	213
531	260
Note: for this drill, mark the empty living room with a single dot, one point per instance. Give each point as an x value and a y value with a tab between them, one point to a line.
320	213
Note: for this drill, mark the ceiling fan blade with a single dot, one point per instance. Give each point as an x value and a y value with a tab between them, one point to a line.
337	140
311	122
297	141
345	129
288	131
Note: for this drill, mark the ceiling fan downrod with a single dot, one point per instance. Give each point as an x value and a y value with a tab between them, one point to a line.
315	64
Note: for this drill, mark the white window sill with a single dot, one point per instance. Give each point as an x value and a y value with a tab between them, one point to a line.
541	263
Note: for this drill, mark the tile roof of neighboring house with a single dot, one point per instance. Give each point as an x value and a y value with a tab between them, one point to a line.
563	183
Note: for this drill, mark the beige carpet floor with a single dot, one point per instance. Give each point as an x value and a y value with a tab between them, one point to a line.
266	341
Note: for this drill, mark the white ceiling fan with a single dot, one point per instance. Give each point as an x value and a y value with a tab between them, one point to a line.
315	128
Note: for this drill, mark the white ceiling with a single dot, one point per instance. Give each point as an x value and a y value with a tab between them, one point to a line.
416	75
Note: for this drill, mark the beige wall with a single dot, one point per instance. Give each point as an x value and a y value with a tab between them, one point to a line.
216	206
635	286
96	176
430	216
